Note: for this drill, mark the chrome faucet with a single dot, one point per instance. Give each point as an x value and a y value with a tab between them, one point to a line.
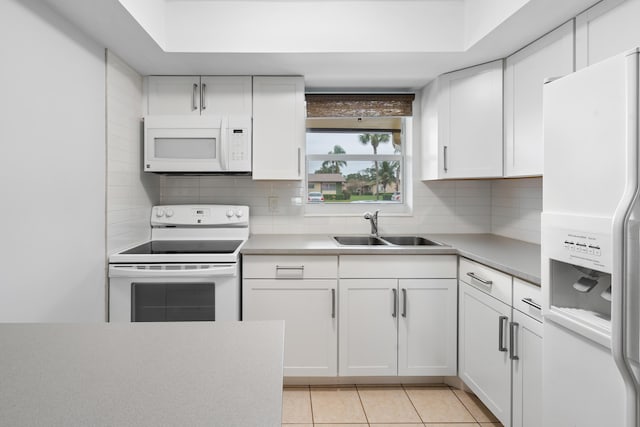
373	218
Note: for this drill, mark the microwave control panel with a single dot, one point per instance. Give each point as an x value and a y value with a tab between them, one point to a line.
238	144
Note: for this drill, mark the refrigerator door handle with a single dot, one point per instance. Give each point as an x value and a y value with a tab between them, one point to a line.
621	250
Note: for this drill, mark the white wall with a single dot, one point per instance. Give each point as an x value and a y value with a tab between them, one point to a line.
52	168
130	192
314	26
483	16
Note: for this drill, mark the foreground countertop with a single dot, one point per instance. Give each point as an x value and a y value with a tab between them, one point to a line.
142	374
515	257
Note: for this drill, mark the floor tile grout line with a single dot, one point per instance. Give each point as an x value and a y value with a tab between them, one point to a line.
364	411
465	406
412	404
313	421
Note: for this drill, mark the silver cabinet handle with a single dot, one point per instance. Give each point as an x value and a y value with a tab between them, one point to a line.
532	303
299	168
445	158
194	106
513	348
333	303
289	272
479	279
289	267
395	303
404	302
502	320
203	97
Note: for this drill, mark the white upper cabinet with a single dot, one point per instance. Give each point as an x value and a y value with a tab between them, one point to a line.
226	95
468	140
525	72
219	95
608	28
278	128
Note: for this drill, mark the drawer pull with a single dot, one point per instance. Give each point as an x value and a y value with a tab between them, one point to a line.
287	267
532	303
290	271
479	279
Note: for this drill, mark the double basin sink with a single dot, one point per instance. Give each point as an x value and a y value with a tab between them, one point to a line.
384	241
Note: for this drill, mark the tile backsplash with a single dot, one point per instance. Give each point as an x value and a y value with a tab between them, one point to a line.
506	207
130	192
516	205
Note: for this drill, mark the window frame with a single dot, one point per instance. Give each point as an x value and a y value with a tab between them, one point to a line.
402	208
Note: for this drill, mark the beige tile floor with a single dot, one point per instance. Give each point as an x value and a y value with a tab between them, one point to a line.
383	406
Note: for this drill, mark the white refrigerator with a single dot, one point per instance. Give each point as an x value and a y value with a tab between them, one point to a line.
590	246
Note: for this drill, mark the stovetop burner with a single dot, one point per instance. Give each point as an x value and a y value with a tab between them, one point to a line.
164	247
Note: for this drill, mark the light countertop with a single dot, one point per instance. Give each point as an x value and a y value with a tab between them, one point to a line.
515	257
142	374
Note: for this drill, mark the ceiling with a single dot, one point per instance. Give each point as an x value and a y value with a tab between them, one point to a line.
395	45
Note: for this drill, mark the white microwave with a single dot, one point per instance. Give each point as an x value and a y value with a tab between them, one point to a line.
197	144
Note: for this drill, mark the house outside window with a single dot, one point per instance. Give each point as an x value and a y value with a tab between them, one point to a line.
356	162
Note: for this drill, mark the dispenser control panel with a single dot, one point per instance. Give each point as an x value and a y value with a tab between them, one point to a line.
587	249
583	244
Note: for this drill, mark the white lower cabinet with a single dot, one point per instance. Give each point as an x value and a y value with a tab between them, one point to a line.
527	363
484	363
527	372
500	343
368	327
397	325
295	289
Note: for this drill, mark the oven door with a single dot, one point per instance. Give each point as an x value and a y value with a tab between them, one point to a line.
173	292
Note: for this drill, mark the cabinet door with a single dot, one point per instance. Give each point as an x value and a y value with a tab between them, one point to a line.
482	366
309	309
368	327
527	372
427	327
606	29
278	128
525	72
470	122
226	95
173	95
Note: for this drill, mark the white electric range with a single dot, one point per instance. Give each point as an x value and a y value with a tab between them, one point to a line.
188	271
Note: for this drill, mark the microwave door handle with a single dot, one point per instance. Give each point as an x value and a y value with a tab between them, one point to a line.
223	143
207	271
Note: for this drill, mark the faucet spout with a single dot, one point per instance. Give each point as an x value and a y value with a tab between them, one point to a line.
373	219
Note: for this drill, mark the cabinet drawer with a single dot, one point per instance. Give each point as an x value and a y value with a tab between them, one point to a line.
490	281
398	266
289	267
527	298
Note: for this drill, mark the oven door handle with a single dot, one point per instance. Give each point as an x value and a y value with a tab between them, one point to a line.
147	271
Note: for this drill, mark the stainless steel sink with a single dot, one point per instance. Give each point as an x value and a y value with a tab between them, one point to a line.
359	240
385	241
409	241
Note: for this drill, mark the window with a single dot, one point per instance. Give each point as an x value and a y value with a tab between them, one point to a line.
357	163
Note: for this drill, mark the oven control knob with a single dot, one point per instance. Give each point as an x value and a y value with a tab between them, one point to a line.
159	212
169	213
230	213
239	213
